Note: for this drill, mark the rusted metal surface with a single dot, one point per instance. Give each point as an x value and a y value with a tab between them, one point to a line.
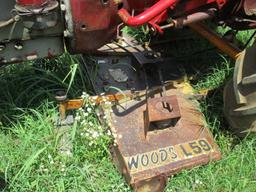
161	112
156	136
70	105
193	18
156	184
250	7
94	23
129	45
163	152
153	140
216	40
66	105
158	131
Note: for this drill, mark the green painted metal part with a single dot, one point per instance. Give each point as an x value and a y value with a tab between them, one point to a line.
29	37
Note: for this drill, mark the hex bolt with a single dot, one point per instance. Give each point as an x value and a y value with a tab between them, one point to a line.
63	7
105	2
150	55
61	96
66	33
18	46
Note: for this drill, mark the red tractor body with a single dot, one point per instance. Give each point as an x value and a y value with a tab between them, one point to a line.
86	25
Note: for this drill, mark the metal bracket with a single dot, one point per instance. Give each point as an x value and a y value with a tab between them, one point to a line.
161	113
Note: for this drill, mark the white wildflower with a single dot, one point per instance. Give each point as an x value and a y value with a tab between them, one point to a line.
84	95
89	110
77	118
95	134
80	109
108	103
102	61
68	153
95	98
109	133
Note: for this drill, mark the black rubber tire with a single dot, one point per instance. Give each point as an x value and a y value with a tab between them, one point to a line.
241	125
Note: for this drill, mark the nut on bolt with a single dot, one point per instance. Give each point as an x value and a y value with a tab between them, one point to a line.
61	96
18	46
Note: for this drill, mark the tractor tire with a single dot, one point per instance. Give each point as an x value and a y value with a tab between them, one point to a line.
240	95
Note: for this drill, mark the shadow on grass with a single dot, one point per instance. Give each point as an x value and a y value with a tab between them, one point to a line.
3	184
29	85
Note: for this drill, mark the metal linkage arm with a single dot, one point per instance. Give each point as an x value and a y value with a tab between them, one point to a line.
147	15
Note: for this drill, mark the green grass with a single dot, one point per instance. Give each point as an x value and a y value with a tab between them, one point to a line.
141	34
235	172
29	156
30	160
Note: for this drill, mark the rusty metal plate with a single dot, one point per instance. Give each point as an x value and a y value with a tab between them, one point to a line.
147	156
157	112
162	152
